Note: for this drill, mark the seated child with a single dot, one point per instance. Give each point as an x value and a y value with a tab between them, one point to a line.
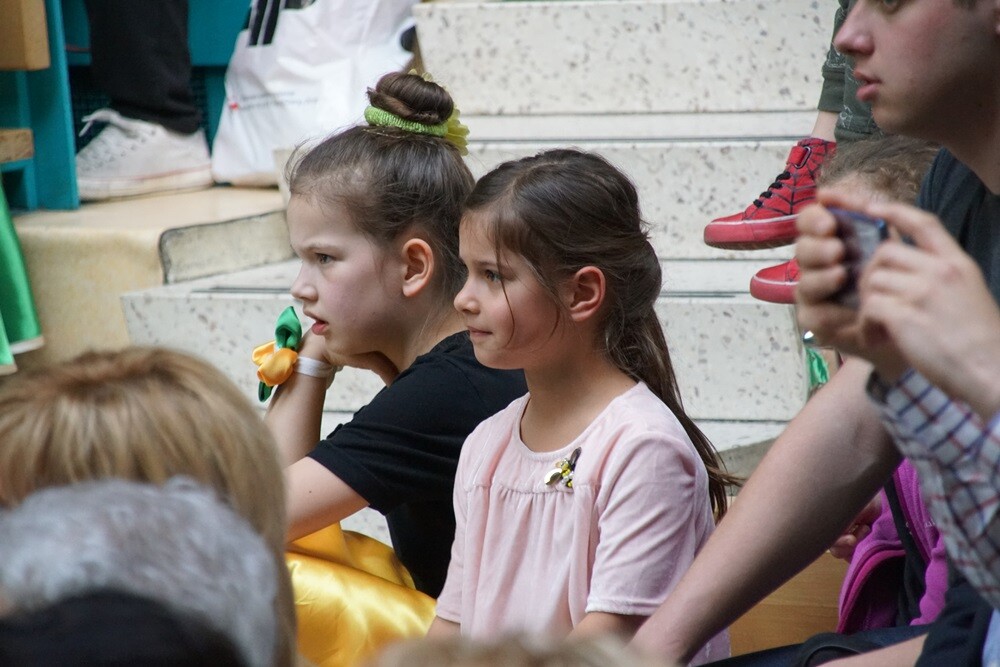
581	504
373	216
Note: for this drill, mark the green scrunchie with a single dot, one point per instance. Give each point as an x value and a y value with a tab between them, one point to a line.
383	118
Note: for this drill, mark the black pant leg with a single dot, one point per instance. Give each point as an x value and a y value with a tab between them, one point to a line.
140	58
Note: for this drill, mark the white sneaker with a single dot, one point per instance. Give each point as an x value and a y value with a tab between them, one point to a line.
134	157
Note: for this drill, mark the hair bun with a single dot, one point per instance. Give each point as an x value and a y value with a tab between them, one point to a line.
412	98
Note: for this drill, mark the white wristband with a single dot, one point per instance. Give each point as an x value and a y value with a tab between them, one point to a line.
316	368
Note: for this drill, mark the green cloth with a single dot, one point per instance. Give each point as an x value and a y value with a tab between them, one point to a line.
819	370
287	333
21	330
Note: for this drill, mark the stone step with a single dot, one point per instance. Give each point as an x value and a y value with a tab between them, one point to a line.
682	184
80	262
626	56
736	358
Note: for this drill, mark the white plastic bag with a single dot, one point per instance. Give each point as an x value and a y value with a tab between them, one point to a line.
299	71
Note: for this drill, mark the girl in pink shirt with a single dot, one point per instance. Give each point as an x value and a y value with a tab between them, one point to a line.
581	504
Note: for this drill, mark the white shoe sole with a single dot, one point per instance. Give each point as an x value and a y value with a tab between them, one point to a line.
99	189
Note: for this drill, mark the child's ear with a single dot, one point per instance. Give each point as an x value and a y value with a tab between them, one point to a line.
418	266
585	293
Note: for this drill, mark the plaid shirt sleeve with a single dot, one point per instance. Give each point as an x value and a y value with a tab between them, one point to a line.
957	458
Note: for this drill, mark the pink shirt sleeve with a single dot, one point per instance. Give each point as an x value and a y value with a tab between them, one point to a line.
653	514
449	603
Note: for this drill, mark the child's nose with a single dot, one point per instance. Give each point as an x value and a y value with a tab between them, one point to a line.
464	301
302	289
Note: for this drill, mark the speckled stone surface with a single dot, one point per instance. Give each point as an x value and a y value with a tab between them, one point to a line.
223	318
682	277
682	184
736	358
195	251
80	261
641	127
626	56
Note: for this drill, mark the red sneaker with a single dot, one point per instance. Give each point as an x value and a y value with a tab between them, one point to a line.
776	283
769	221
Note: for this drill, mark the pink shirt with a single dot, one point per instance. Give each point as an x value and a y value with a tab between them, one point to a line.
532	557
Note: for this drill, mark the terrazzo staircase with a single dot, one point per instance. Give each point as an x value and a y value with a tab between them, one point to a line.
697	101
80	261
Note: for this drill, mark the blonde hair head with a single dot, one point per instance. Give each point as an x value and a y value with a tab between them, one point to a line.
144	414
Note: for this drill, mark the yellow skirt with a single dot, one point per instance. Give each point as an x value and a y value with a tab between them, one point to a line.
352	597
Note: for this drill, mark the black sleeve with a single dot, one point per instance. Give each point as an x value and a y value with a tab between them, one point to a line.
404	445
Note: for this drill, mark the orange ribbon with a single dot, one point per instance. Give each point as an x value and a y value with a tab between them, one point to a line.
274	364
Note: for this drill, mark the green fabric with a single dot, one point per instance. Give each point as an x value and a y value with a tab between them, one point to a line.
17	307
819	371
383	118
287	333
6	357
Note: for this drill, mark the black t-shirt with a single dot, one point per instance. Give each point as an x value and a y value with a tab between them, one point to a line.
400	451
969	211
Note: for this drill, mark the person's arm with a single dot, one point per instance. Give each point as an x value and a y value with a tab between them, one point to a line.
317	498
296	409
295	413
956	456
903	654
598	623
440	628
815	479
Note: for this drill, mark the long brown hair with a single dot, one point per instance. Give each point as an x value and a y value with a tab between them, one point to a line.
565	209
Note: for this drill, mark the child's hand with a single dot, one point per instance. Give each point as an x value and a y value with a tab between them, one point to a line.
315	347
859	529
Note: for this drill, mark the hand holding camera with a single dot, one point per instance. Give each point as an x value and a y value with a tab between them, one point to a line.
861	235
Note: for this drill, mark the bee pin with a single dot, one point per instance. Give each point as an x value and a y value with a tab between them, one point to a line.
563	471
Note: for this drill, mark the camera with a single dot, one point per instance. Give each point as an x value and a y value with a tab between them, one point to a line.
861	235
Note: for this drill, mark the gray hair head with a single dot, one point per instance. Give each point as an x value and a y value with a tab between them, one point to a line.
177	544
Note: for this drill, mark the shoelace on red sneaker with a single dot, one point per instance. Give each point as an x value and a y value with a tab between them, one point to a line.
777	185
798	159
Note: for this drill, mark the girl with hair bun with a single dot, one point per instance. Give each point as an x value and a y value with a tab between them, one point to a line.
580	505
373	216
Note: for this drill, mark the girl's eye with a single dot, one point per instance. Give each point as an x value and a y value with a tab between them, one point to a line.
491	276
323	259
890	5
